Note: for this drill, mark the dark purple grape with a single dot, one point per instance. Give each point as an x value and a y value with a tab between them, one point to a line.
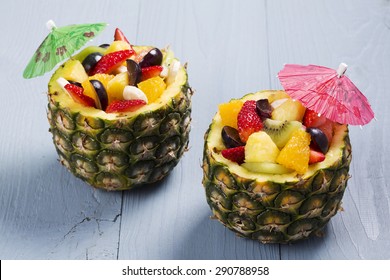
263	108
134	71
101	93
90	61
230	137
152	58
318	139
104	46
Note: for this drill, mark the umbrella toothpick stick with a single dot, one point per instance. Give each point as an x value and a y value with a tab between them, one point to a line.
50	25
341	70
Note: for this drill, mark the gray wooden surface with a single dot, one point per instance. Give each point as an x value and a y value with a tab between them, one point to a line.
232	47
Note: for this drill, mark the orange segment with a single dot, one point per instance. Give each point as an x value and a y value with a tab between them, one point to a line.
229	112
295	154
153	88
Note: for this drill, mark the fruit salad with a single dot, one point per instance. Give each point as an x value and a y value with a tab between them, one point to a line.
274	135
118	77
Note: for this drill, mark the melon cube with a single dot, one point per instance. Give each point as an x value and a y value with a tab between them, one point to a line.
290	110
260	148
116	86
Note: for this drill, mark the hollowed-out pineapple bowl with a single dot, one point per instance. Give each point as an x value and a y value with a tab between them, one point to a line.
273	170
120	114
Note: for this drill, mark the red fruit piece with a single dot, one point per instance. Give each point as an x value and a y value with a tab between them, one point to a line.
316	156
236	154
111	61
150	72
119	106
78	95
327	128
119	36
248	121
311	119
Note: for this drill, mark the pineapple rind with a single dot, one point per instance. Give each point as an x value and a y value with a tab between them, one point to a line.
121	151
275	208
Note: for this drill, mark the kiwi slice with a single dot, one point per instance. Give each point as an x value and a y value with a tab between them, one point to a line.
266	167
280	131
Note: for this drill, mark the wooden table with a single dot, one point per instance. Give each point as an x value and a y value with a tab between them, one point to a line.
232	48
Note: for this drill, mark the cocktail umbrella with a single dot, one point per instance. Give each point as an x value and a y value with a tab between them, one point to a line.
328	92
60	44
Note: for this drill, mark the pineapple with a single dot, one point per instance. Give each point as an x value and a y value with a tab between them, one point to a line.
269	201
118	151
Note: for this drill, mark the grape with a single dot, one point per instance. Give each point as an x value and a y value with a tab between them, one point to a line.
318	139
152	58
230	137
90	61
134	71
101	93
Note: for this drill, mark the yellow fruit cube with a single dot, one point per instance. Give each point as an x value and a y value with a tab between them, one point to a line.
280	94
74	71
295	154
260	148
116	85
118	46
229	112
290	110
153	88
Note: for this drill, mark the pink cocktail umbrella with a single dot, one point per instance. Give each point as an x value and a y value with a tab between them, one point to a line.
328	92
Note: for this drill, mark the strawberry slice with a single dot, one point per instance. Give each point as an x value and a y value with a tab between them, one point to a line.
119	36
311	119
119	106
248	121
236	154
316	156
150	72
111	61
78	95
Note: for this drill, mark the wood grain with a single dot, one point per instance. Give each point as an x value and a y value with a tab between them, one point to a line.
232	48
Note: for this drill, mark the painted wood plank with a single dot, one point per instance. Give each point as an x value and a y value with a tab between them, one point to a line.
355	32
45	212
225	45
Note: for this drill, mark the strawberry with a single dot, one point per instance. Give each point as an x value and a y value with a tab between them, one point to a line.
248	121
111	61
119	106
316	156
311	119
236	154
119	36
150	72
78	95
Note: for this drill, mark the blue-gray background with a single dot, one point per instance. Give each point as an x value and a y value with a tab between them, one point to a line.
232	47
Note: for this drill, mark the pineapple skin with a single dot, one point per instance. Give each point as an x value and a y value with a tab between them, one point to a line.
122	153
274	212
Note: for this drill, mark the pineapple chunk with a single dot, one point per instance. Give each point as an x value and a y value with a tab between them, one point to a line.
229	112
280	94
290	110
296	153
260	148
116	86
74	71
118	46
